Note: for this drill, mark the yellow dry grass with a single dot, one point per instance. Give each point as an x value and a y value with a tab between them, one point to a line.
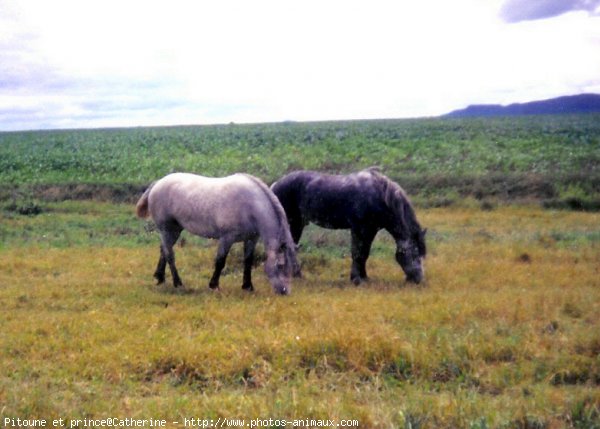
505	332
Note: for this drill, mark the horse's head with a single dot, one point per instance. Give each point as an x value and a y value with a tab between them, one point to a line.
278	267
410	252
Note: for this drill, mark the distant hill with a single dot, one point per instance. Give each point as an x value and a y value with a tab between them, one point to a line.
583	103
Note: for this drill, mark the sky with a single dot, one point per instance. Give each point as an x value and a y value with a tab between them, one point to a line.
125	63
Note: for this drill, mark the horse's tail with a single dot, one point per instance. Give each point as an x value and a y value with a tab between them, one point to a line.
141	208
285	236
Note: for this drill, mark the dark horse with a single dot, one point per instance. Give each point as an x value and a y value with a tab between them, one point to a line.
363	202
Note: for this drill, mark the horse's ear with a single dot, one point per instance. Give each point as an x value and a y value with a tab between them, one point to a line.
424	232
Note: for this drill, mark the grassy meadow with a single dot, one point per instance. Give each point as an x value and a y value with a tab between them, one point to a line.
504	334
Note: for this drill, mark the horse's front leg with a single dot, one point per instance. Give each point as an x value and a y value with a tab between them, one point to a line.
249	247
222	252
361	247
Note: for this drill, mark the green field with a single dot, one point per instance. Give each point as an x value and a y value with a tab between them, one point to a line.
505	332
547	158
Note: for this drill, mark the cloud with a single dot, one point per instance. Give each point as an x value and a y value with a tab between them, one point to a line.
520	10
187	62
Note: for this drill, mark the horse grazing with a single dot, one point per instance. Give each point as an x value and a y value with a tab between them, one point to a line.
363	202
231	209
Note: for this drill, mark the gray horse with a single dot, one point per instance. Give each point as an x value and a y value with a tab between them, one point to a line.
231	209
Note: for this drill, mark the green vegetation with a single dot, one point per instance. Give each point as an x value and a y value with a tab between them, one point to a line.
437	160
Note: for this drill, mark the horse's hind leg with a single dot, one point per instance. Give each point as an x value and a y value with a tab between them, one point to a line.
169	235
222	252
249	246
159	274
296	227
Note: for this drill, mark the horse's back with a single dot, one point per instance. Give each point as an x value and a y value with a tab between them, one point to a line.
342	201
196	190
331	201
206	206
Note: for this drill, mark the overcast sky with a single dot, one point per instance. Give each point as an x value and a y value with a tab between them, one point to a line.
76	63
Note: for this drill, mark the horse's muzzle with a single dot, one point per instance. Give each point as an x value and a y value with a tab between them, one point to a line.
283	291
415	278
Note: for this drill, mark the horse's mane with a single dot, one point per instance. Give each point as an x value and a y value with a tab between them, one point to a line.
398	202
285	236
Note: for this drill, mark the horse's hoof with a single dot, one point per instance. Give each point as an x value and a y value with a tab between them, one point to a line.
355	280
248	288
215	289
